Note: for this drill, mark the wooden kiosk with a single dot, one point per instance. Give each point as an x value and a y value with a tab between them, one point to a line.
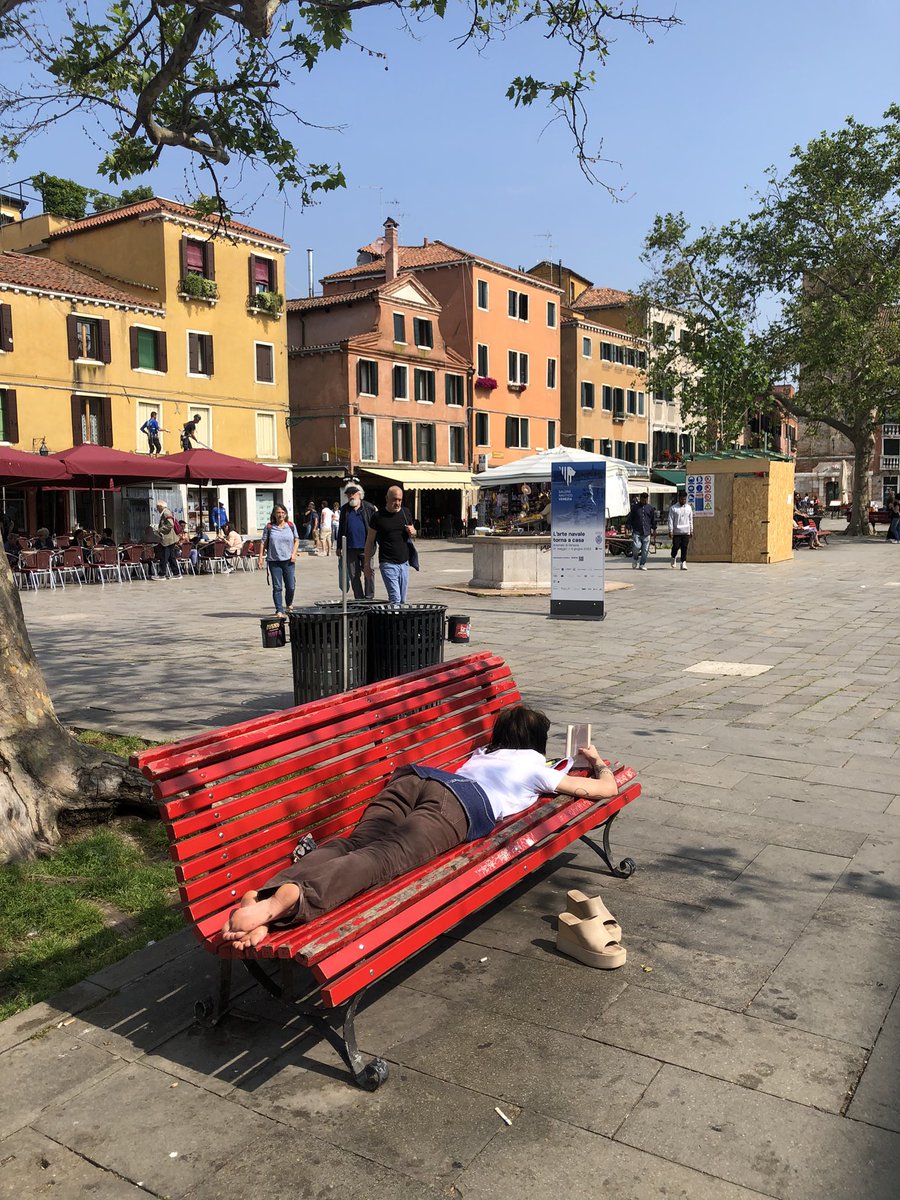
743	506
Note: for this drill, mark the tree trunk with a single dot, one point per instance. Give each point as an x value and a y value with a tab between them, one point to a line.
44	772
862	459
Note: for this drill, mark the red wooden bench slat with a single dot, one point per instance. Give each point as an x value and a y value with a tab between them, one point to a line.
493	885
160	762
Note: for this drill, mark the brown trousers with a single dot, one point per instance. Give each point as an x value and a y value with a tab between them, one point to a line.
411	821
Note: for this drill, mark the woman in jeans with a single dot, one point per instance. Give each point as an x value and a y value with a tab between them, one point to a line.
279	547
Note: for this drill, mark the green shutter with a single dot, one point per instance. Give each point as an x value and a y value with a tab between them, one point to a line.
146	349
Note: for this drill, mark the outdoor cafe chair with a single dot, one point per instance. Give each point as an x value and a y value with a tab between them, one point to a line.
37	567
105	561
247	558
214	559
70	562
132	557
185	562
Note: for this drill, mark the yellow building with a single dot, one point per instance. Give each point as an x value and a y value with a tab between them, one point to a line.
144	309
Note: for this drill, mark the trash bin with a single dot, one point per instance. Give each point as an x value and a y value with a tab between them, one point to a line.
273	633
404	637
317	651
458	628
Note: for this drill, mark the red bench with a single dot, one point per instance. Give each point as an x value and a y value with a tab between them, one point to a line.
237	801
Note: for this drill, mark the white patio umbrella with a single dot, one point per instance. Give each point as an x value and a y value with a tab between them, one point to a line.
536	469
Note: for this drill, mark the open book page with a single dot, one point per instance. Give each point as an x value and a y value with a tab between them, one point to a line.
577	737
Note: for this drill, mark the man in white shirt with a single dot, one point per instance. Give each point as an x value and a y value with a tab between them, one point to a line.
681	527
326	520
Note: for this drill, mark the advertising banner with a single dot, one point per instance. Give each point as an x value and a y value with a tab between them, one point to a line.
701	492
577	539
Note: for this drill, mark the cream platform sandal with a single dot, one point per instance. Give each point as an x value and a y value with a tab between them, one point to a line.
589	943
581	905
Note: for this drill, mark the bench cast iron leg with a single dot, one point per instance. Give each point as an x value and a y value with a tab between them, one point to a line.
209	1011
626	867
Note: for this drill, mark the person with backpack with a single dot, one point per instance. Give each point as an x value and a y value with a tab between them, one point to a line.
189	432
279	549
169	530
151	429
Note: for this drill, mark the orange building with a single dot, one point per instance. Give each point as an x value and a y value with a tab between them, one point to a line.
503	322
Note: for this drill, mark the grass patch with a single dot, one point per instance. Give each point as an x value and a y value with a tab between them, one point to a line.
112	743
101	896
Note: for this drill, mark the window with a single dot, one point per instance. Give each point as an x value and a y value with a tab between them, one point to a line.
88	337
641	360
641	408
454	390
642	454
423	333
551	435
606	351
400	382
482	429
630	357
551	373
423	386
200	354
517	432
92	420
607	398
631	403
367	377
263	275
658	332
148	349
889	485
400	328
618	404
551	314
630	452
198	257
265	435
457	443
143	411
367	439
620	354
9	416
425	442
587	394
619	451
518	305
483	364
265	362
518	367
482	287
6	332
402	441
586	444
606	447
586	347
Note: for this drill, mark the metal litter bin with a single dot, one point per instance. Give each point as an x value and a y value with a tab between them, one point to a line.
403	638
317	651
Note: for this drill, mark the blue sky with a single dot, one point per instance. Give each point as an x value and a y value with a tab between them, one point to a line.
693	119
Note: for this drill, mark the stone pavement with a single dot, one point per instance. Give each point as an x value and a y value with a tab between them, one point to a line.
749	1047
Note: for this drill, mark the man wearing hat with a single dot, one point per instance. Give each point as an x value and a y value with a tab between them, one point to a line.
353	523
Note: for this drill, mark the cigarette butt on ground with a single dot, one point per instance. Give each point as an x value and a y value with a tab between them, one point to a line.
502	1115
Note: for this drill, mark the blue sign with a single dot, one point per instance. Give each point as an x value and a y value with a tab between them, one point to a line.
577	539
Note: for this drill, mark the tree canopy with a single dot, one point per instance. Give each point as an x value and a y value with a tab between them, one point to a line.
807	287
212	76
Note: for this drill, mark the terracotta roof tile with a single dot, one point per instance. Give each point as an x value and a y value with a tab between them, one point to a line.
310	302
157	204
46	275
602	297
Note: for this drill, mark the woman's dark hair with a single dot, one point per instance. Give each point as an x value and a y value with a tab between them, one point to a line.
272	518
520	728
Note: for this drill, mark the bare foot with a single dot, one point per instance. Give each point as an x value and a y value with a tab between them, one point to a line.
251	916
253	938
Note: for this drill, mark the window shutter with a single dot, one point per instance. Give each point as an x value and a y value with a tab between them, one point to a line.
209	259
251	263
72	336
12	415
77	439
105	346
511	431
182	255
106	436
6	334
263	373
162	357
273	274
207	337
133	347
194	353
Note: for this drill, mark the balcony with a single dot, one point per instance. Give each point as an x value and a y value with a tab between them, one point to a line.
890	462
270	303
890	430
197	287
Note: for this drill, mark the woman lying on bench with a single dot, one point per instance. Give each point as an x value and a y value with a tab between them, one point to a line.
421	813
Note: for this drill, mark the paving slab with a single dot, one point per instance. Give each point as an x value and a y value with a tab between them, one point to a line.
877	1098
779	1148
24	1025
35	1166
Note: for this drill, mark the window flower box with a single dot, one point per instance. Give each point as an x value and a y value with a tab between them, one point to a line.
517	387
197	287
485	383
266	302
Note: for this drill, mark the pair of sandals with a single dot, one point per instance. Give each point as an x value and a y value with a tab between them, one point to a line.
588	932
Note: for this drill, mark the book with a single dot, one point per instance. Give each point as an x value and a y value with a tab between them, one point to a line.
577	737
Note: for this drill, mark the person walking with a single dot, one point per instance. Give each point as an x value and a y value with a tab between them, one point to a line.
310	522
354	519
167	550
642	523
150	429
392	531
189	432
681	527
326	521
279	548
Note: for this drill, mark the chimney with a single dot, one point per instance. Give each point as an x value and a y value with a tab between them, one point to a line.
391	250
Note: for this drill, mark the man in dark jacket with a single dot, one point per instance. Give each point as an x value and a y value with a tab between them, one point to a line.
642	522
353	523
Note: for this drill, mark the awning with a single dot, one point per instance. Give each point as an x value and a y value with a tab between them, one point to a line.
416	478
675	478
636	486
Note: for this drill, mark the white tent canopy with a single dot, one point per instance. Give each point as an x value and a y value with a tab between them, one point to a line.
536	469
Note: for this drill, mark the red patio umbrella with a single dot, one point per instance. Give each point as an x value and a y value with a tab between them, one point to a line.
16	466
101	462
208	466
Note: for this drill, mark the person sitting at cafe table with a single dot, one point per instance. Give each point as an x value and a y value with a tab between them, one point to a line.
43	541
234	543
107	538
